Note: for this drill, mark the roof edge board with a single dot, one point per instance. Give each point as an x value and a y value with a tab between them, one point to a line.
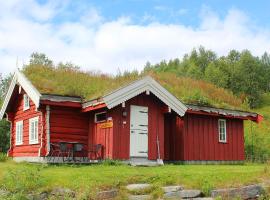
125	93
8	96
32	92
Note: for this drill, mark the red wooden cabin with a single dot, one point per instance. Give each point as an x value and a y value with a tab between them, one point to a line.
140	120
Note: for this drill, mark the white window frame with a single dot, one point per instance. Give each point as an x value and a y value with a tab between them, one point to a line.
26	102
220	139
19	133
99	114
33	140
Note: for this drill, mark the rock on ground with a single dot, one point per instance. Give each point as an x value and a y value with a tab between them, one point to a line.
184	194
139	197
109	194
176	188
63	192
247	192
135	187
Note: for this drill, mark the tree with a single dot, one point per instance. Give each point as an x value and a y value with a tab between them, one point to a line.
40	59
4	125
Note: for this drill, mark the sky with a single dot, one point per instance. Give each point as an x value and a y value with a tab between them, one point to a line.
113	35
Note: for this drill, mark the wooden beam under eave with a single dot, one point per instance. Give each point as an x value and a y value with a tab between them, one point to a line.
96	107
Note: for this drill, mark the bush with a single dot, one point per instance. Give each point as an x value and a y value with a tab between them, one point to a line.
3	157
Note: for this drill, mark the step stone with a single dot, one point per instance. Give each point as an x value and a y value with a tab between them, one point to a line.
139	197
136	187
175	188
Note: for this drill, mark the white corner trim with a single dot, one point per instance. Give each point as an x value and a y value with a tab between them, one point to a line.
146	84
48	131
32	92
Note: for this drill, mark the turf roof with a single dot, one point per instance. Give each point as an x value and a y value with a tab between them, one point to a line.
91	85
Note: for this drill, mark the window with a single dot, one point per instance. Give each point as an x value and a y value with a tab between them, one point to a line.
33	130
26	102
222	130
100	117
19	133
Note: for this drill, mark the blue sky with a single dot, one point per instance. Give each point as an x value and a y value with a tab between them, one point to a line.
117	34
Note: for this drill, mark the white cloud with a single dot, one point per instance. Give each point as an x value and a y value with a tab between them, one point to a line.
94	43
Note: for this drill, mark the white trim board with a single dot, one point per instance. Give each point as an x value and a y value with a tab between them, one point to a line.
27	86
146	84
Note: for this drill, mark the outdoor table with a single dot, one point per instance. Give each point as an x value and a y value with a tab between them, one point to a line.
72	149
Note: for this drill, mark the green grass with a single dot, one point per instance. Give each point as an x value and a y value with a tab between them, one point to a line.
89	179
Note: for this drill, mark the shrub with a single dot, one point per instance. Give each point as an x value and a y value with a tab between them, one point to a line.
3	157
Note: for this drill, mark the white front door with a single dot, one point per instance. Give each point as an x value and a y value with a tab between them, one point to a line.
138	131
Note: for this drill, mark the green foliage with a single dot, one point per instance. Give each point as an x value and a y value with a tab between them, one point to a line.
109	162
22	180
245	75
3	157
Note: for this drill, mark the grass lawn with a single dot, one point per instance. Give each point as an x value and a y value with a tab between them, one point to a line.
84	179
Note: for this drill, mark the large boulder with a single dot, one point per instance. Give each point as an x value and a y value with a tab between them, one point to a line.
247	192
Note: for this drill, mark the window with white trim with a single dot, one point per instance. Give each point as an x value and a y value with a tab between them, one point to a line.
19	133
26	102
222	130
33	130
100	117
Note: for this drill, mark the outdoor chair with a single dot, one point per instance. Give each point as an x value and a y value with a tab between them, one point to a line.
79	151
64	151
96	150
54	150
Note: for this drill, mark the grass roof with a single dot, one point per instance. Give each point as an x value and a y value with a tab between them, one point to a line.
91	85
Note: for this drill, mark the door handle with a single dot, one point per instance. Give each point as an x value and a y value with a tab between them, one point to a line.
143	125
143	133
143	151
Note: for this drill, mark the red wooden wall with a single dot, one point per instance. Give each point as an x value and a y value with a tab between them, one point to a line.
68	124
174	138
18	114
100	135
198	140
121	126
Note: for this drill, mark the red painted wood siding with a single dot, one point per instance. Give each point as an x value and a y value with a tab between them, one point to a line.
201	140
174	126
68	124
18	114
121	128
103	136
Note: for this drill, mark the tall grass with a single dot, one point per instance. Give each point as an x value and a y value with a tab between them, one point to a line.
91	85
3	157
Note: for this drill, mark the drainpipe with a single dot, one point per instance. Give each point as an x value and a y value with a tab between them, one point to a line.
48	111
